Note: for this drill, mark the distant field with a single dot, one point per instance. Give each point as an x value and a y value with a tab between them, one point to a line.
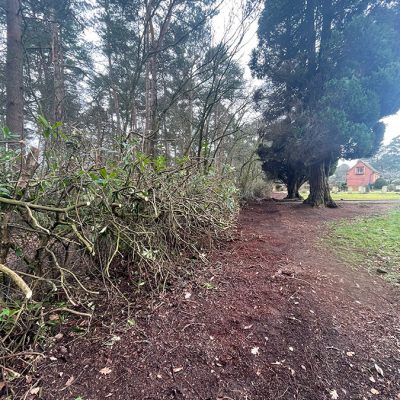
366	196
371	243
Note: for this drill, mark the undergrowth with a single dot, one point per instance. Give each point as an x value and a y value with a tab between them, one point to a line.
78	225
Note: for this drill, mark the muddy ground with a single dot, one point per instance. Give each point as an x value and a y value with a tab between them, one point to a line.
274	315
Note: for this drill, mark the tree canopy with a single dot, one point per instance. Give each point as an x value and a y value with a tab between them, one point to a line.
332	70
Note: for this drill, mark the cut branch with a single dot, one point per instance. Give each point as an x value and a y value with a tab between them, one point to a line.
17	280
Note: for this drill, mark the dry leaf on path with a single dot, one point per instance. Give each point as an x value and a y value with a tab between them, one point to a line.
35	390
334	394
70	381
379	369
105	371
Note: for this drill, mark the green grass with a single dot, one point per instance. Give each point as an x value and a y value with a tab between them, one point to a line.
371	243
365	196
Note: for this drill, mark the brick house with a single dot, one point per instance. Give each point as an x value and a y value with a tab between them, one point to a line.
361	176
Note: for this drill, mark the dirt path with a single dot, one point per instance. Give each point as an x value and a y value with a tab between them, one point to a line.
281	319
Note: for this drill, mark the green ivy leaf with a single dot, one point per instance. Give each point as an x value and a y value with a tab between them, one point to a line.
19	252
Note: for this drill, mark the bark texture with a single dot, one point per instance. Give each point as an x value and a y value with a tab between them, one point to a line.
320	195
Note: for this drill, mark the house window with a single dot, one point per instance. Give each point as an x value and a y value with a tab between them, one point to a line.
360	171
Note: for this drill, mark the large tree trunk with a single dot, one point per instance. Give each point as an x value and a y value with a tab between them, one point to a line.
320	195
14	72
293	187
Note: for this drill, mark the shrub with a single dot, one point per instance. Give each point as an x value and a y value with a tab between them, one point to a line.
258	189
380	183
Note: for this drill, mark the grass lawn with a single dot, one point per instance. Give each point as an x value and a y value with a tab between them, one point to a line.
372	243
366	196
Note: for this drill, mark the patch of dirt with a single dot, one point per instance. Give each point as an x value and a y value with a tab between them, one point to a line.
277	317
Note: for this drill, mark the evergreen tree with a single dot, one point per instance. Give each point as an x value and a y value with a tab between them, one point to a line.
331	68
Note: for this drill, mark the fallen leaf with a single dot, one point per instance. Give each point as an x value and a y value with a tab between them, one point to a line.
28	380
59	336
70	381
113	340
54	317
379	369
35	390
334	394
105	371
178	369
374	391
255	351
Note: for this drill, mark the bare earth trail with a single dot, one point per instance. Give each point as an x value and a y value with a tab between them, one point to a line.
281	319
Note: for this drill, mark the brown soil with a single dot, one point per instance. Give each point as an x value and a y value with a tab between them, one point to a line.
278	317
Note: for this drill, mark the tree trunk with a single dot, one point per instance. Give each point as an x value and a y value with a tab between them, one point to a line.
293	189
148	140
154	47
320	195
14	72
58	65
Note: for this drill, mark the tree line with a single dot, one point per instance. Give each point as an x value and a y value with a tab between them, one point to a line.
150	75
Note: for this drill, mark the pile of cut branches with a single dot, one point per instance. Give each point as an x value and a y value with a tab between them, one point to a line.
71	224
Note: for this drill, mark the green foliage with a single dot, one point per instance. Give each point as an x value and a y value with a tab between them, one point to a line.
380	183
50	130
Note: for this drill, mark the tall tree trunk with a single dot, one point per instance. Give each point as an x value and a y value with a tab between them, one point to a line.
14	71
293	189
154	47
319	187
149	143
58	65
